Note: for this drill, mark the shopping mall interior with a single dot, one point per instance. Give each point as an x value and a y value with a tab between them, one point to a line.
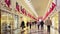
30	16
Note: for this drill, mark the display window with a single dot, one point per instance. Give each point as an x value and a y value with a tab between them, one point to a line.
8	20
54	19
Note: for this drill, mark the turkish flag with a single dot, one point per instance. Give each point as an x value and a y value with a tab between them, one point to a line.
51	8
21	8
24	11
29	14
17	6
53	5
8	2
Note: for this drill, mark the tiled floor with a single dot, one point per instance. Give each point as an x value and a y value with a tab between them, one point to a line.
34	30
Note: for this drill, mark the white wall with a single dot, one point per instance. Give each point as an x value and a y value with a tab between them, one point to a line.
58	5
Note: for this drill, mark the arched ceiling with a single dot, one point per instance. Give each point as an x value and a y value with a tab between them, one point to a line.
40	6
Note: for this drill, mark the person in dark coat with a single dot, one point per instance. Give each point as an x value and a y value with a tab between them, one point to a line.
27	24
22	24
30	23
38	24
35	23
42	24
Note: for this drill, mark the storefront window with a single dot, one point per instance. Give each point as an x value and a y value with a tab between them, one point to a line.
55	21
8	20
3	21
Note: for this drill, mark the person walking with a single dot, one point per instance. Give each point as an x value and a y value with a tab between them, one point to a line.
22	24
38	24
48	23
27	24
42	24
30	24
35	22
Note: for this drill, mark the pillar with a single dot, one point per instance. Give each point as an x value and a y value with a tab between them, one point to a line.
59	21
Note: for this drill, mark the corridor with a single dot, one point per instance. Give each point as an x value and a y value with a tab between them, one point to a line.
33	30
30	16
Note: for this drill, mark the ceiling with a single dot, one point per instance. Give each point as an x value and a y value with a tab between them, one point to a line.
40	6
22	2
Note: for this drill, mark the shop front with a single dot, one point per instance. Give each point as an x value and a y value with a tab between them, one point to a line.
54	19
9	21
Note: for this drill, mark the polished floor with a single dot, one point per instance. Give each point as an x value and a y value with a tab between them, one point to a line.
33	30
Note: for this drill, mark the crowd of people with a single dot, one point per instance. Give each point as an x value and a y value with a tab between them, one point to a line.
39	23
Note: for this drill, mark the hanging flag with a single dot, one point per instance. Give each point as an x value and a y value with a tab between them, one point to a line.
53	5
23	11
8	2
54	2
17	6
29	14
21	8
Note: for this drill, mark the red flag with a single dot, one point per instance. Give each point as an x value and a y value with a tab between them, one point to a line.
23	10
53	5
17	6
8	2
29	14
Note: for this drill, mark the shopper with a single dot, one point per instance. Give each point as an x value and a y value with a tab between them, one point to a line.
30	24
35	22
38	24
27	24
22	24
48	23
42	24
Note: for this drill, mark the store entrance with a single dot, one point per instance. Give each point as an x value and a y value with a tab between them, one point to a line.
9	22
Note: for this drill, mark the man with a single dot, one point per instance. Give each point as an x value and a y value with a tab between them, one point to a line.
27	24
35	22
30	24
48	23
42	24
22	23
38	24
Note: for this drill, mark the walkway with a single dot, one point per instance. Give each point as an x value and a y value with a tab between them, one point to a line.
34	30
